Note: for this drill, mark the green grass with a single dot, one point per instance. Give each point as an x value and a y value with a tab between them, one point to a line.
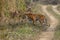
21	31
57	31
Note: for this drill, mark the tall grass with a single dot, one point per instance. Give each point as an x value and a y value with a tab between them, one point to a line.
19	32
20	4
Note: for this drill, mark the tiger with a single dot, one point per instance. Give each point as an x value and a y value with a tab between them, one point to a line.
36	17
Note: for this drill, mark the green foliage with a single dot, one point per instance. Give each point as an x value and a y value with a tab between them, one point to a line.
20	4
24	31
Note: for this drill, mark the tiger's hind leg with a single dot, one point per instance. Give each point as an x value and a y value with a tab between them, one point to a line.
43	24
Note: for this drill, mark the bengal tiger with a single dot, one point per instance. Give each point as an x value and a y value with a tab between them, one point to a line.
36	17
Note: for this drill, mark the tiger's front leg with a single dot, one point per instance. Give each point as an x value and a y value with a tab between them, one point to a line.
34	20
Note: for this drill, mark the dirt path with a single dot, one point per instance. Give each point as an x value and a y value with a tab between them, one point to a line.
55	10
49	33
